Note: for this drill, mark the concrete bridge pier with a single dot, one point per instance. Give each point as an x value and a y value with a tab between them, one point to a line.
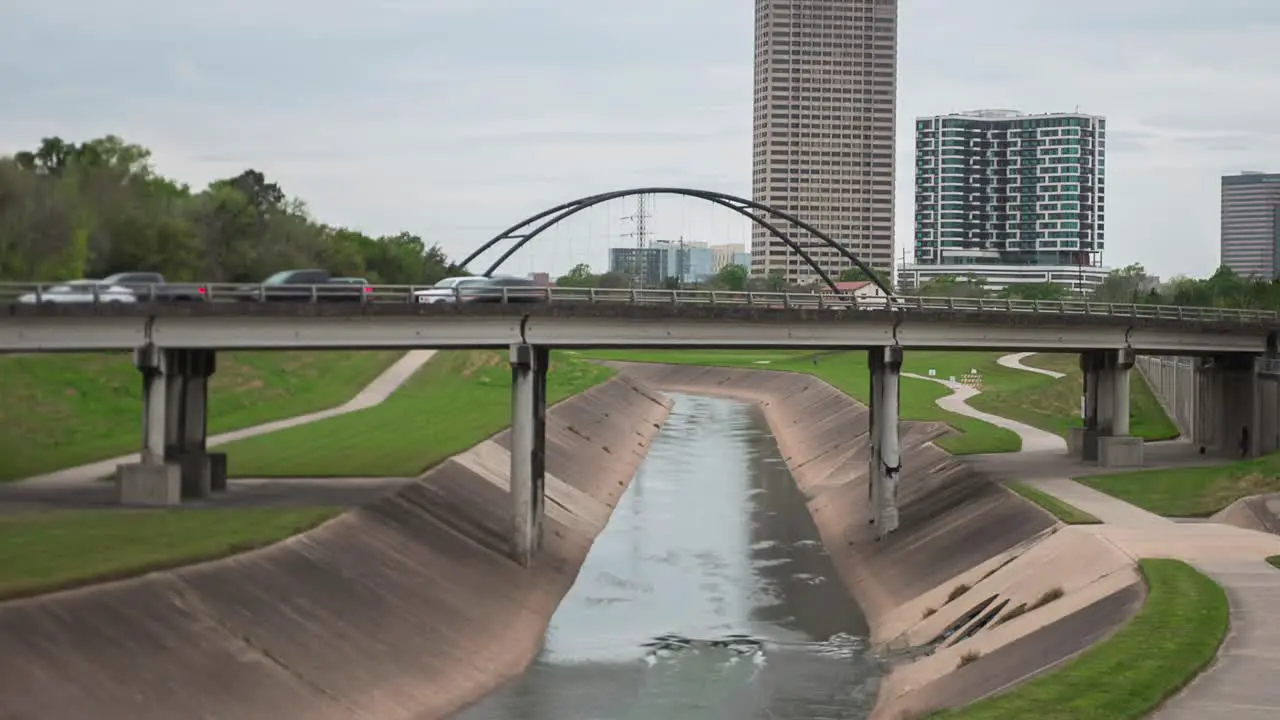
152	481
1105	437
1229	406
187	423
528	449
885	462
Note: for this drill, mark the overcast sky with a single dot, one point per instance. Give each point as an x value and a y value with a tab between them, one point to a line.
454	118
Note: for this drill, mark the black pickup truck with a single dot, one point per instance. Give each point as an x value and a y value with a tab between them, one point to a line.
307	286
152	287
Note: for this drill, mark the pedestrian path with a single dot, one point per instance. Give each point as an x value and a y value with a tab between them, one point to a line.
1241	684
1033	439
373	394
1014	362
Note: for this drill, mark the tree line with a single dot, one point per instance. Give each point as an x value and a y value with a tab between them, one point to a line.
72	210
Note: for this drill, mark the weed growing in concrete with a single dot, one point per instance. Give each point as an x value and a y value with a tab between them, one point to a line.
957	591
968	657
928	613
1047	597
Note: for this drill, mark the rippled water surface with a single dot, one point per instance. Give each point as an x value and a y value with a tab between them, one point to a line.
707	596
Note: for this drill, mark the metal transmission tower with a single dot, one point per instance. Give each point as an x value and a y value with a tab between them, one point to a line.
640	261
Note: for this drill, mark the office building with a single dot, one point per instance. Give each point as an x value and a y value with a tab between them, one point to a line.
1251	224
726	254
647	267
823	140
1010	197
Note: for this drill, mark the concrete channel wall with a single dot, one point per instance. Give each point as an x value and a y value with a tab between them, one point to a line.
958	530
1188	397
406	608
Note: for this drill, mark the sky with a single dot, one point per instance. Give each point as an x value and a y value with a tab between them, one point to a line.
455	118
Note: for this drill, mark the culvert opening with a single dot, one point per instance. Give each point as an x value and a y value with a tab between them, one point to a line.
981	622
962	621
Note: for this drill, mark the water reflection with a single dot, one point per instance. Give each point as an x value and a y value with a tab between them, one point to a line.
707	596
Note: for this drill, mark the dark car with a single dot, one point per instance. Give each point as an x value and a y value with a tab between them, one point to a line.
307	286
151	286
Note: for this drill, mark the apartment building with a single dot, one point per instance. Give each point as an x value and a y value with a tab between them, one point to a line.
1023	196
823	148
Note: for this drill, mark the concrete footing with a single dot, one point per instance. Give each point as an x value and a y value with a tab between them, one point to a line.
149	484
197	473
1083	443
1119	451
217	471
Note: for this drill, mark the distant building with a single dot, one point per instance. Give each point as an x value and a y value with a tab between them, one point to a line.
1082	279
647	267
1250	239
1009	197
541	278
722	255
860	289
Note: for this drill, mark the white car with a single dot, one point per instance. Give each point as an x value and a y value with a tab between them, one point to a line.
80	291
448	290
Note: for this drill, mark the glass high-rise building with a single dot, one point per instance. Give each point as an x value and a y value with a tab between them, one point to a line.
1002	189
825	104
1251	224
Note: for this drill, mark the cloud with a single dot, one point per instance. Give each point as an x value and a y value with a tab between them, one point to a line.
454	118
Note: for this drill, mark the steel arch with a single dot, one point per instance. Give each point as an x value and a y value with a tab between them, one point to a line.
737	204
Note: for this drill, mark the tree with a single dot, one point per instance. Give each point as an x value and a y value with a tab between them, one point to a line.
731	277
775	281
857	274
579	276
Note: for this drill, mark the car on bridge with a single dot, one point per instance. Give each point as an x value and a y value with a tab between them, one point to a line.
78	292
480	289
306	286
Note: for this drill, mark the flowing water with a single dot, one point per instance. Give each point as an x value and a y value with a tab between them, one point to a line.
707	596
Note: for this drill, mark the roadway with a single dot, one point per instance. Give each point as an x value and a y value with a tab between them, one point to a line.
630	320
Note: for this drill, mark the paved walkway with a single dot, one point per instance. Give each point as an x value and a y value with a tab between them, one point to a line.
1014	362
1033	439
1242	684
373	394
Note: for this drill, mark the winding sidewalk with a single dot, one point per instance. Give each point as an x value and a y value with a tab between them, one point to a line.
1014	362
1033	439
1241	684
375	393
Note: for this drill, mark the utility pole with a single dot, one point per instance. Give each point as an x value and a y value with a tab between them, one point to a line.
641	235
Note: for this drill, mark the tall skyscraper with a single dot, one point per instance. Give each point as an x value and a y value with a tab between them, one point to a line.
1251	224
1010	197
825	105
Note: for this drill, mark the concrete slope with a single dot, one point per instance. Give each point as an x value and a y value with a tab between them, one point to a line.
1258	512
958	530
406	608
375	393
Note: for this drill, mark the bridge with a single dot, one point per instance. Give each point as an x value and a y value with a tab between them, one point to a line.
175	345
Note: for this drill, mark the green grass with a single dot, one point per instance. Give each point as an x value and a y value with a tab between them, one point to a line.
47	551
1054	405
59	411
1193	491
1065	512
1274	560
848	372
1172	638
456	400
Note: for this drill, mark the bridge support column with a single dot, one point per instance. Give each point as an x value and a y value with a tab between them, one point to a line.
1230	417
886	458
1082	442
153	481
528	449
186	433
1116	448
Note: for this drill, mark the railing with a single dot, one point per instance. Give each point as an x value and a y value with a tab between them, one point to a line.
52	293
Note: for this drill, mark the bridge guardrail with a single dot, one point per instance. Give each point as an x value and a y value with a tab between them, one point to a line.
42	293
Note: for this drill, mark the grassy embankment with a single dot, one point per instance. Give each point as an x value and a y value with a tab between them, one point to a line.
59	411
1067	513
44	552
455	401
1193	491
1054	405
1274	560
1172	638
1037	400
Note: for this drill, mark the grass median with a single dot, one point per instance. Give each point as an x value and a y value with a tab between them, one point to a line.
1193	491
1065	512
456	400
1173	637
59	411
48	551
